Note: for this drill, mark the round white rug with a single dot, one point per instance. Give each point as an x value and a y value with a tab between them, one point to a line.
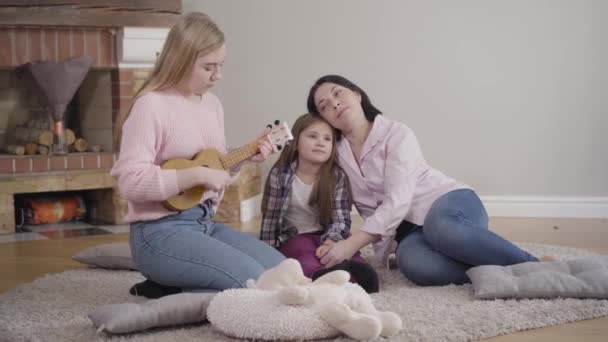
55	308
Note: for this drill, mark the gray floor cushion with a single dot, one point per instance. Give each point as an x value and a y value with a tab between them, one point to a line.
177	309
109	255
579	278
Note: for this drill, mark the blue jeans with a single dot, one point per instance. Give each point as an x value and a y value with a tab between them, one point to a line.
453	238
190	251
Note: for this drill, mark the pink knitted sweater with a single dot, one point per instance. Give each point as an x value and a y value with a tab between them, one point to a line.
163	125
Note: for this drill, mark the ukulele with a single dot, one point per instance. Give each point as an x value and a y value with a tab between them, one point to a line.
278	136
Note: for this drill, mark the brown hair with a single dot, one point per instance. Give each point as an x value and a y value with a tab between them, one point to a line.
322	193
193	36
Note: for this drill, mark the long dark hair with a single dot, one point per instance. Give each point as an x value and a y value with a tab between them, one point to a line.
322	194
369	109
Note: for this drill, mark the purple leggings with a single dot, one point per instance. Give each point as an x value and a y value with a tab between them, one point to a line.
303	248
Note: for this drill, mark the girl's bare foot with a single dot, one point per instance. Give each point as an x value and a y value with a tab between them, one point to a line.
391	262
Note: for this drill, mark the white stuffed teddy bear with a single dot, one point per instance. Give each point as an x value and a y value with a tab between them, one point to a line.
343	305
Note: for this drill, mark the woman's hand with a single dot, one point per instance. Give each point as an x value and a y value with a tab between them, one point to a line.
215	180
345	249
212	179
264	147
324	248
338	252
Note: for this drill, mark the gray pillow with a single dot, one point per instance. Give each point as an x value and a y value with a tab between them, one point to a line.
111	255
578	278
177	309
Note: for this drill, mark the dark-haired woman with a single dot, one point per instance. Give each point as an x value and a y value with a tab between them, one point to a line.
439	224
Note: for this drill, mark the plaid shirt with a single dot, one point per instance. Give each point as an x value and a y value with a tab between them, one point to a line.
275	230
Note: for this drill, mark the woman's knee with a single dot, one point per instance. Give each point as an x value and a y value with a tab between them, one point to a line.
425	267
411	265
416	272
447	229
459	209
218	277
439	227
233	279
426	275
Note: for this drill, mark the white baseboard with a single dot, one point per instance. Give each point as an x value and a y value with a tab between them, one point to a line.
538	206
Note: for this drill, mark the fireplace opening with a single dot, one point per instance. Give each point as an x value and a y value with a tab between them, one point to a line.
50	208
42	209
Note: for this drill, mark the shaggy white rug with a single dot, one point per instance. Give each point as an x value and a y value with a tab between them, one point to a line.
55	308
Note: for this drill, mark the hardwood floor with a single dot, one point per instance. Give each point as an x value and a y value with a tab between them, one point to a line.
22	262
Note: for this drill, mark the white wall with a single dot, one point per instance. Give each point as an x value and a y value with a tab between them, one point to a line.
509	96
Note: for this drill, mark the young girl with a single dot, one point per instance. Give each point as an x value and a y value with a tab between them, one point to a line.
306	204
175	116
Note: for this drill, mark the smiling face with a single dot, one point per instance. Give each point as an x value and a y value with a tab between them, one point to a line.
206	71
315	143
339	105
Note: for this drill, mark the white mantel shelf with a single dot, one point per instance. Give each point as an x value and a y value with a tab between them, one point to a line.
138	47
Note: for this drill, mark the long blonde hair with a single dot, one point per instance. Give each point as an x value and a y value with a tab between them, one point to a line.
322	194
193	36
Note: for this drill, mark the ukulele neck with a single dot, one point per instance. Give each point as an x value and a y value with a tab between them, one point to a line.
234	157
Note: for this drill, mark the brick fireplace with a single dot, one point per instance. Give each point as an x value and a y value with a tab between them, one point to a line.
122	39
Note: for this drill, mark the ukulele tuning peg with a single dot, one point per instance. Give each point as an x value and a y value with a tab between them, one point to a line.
277	122
269	126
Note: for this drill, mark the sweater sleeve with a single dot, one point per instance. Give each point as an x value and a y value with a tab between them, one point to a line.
400	174
139	178
271	208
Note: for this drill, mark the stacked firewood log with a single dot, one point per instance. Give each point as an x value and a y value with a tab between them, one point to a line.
36	137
